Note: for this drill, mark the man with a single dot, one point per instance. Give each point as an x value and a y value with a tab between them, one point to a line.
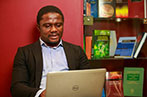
49	53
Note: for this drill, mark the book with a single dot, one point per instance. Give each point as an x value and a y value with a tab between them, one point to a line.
145	11
84	7
88	42
125	47
141	41
100	44
94	9
113	43
87	8
106	8
114	84
136	8
103	93
121	9
133	81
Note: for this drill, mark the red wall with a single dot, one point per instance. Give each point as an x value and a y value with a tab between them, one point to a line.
18	28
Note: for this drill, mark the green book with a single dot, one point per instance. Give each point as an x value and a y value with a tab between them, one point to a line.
133	81
100	44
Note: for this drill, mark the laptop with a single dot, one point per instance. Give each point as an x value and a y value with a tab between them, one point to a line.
76	83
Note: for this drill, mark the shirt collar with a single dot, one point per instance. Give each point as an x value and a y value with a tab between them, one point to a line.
42	43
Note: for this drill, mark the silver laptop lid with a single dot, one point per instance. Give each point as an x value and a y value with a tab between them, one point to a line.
76	83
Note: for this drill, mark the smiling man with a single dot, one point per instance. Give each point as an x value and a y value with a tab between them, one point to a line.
50	53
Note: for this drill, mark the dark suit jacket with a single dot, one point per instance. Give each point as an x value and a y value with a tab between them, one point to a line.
28	65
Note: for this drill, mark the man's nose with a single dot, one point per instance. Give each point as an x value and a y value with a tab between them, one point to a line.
53	28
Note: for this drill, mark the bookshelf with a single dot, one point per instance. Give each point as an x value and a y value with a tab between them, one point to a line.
125	27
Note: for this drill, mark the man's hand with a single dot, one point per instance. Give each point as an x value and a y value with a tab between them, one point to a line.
43	93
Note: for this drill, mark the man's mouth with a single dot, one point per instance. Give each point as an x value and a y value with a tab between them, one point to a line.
53	36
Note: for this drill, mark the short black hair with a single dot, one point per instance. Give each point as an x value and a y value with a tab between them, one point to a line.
47	9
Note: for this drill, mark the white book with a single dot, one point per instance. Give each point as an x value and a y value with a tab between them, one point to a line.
145	14
113	42
140	45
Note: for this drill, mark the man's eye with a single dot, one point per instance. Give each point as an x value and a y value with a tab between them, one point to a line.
47	26
58	25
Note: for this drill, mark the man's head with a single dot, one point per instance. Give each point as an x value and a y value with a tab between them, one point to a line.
50	24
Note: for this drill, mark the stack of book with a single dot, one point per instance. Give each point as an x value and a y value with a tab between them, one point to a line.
103	44
125	47
115	8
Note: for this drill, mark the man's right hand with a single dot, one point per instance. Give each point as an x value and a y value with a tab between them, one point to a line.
43	93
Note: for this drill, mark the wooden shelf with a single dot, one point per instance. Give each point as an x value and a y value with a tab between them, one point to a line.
113	64
125	27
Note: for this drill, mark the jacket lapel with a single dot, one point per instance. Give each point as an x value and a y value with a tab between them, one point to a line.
39	62
69	56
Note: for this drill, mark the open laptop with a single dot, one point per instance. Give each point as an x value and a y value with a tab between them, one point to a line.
76	83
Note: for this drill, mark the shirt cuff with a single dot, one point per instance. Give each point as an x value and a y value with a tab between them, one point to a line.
39	92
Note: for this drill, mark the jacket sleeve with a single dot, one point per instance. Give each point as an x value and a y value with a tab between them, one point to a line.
20	85
84	63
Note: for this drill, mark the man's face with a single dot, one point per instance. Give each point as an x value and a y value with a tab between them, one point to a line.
51	28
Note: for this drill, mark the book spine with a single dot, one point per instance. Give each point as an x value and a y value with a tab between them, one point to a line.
140	45
88	40
145	13
88	8
94	9
121	9
84	9
113	43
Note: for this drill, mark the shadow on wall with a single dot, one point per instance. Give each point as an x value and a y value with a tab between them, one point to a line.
35	33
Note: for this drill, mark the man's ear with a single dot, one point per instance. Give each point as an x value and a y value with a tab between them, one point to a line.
38	27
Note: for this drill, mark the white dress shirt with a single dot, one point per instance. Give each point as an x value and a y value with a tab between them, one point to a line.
54	59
